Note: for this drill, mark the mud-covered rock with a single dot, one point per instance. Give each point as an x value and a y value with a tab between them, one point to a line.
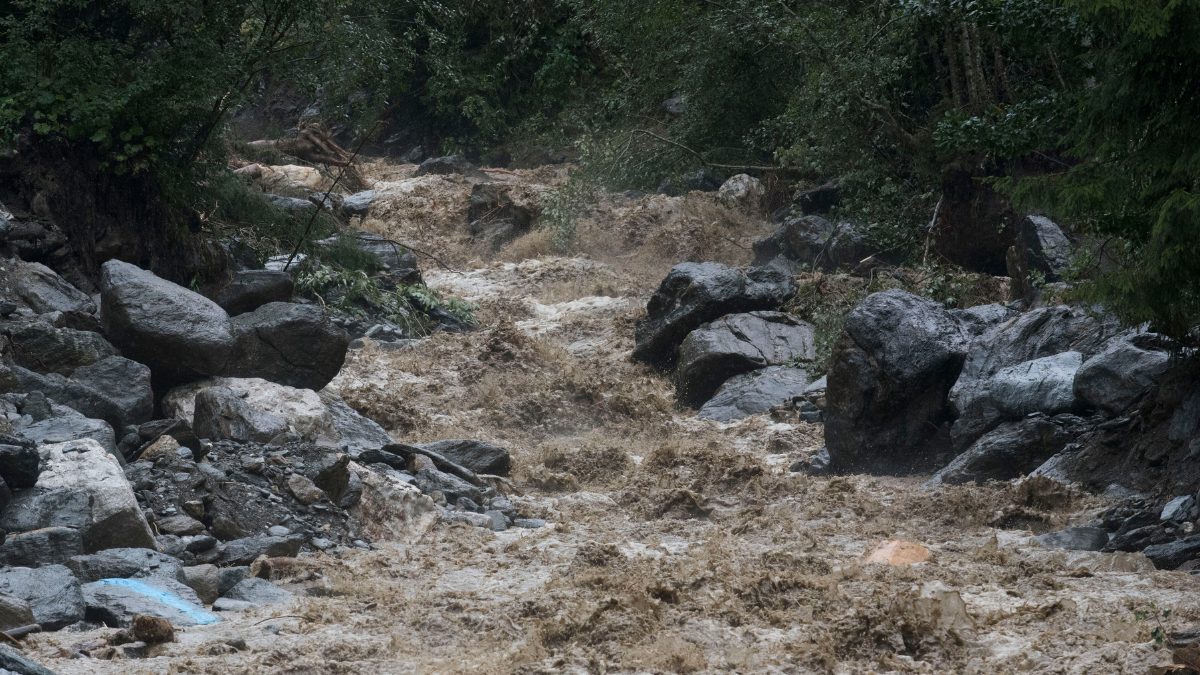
736	344
696	293
886	408
743	191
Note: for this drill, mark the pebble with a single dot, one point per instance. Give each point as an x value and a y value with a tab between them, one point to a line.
278	531
499	522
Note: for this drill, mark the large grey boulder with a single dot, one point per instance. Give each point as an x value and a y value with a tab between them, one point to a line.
1122	373
353	431
52	593
1045	385
322	418
696	293
258	592
45	348
81	485
40	547
291	344
756	392
1048	251
250	289
220	414
359	203
247	549
1172	555
816	243
801	240
736	344
164	325
1009	451
1039	333
42	290
886	409
113	389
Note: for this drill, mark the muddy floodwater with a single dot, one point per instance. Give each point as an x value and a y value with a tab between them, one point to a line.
673	544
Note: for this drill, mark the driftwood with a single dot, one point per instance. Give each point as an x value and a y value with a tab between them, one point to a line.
313	143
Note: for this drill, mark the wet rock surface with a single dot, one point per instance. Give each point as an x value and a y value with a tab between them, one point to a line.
695	293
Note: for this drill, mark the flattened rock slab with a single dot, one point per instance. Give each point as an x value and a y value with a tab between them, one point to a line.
115	602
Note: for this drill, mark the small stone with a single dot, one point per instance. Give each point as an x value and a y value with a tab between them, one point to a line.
1075	539
1179	509
152	630
321	543
258	592
475	519
278	531
529	523
304	490
230	605
180	525
205	580
499	522
194	508
897	553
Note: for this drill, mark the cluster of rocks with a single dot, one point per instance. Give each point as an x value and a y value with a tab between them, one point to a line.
718	329
155	444
995	393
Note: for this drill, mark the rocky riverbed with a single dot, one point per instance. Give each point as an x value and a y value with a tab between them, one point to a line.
587	522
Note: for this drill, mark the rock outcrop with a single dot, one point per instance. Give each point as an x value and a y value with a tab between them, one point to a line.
891	369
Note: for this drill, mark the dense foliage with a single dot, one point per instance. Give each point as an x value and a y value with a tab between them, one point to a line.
1080	108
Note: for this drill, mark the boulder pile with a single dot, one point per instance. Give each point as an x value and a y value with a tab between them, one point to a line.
157	446
717	330
995	393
